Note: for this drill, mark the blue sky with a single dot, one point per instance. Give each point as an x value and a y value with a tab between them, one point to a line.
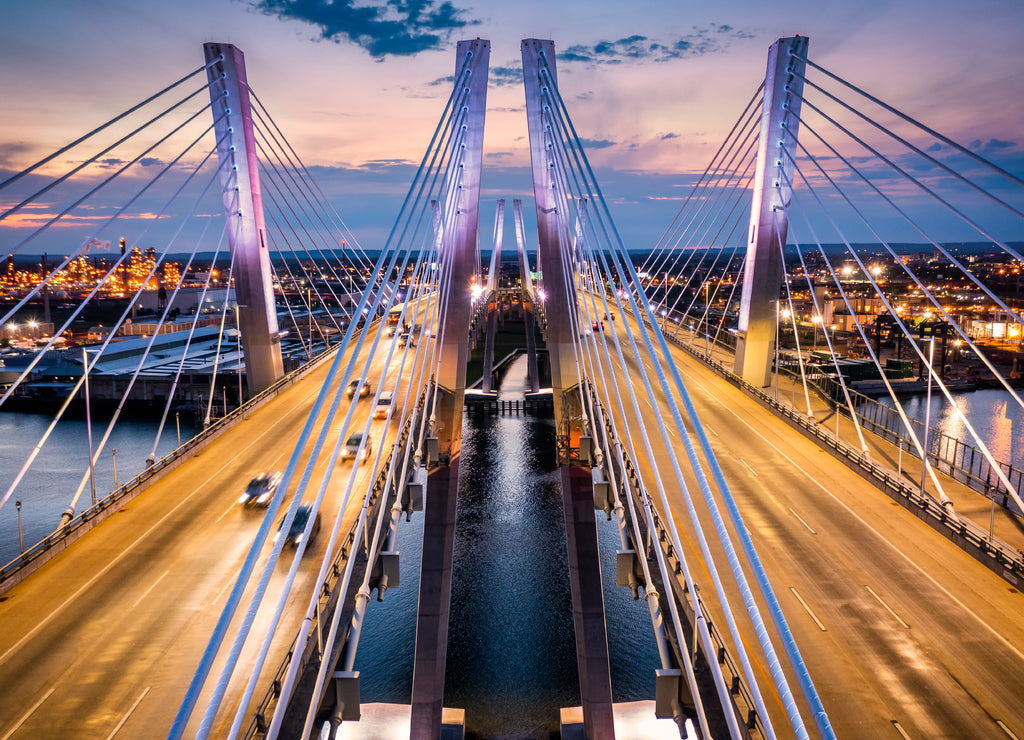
653	85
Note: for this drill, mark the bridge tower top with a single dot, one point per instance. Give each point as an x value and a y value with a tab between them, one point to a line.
243	209
769	209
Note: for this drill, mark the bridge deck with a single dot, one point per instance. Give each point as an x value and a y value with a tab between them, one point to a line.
112	629
896	623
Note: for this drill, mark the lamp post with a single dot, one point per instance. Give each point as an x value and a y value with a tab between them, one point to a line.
238	354
927	412
815	320
88	423
113	454
21	535
778	312
177	423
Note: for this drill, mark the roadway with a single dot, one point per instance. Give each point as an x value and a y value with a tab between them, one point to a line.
904	634
103	641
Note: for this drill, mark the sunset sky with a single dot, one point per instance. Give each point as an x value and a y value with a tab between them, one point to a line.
653	85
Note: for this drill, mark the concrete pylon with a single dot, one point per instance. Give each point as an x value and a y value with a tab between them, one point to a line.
442	485
539	76
769	211
243	208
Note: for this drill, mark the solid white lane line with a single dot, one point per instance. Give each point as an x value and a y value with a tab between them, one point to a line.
887	607
752	471
709	429
1007	730
139	600
808	609
27	714
129	713
801	520
896	549
903	733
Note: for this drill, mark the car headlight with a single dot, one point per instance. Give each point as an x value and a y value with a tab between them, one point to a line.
298	538
263	499
277	536
244	498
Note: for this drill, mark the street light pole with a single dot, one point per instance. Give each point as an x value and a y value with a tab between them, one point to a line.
21	535
777	310
113	453
88	423
927	412
238	351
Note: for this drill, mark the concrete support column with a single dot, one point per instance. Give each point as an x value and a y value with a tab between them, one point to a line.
243	208
442	485
769	212
578	503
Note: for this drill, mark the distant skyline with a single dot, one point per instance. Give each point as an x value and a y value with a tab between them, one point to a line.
653	87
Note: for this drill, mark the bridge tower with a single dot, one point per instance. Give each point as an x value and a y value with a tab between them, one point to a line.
769	211
243	208
577	494
460	238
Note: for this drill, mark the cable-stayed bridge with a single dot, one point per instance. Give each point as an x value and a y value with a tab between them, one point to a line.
716	398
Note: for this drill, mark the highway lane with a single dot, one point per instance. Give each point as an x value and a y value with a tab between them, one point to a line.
902	631
103	640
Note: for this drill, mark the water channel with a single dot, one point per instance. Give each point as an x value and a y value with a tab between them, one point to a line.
511	651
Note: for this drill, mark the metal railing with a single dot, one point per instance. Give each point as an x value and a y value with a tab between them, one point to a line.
629	483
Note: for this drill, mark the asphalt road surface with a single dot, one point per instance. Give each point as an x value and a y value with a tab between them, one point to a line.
904	634
103	641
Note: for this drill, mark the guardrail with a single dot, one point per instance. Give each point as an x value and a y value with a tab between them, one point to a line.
629	481
998	556
33	557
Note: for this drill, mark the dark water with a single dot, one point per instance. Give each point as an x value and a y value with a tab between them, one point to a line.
51	481
994	415
511	651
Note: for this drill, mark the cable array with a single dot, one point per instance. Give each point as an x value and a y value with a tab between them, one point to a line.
864	171
410	287
593	252
148	180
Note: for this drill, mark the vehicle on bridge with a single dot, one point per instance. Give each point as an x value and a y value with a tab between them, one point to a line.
260	490
598	326
404	338
363	386
357	447
298	528
384	403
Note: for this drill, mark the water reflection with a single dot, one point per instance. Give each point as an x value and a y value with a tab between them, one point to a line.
993	414
51	481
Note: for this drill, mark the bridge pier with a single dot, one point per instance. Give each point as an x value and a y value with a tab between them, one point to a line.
442	484
577	493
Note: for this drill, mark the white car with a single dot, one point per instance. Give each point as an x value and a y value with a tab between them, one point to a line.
356	448
384	403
